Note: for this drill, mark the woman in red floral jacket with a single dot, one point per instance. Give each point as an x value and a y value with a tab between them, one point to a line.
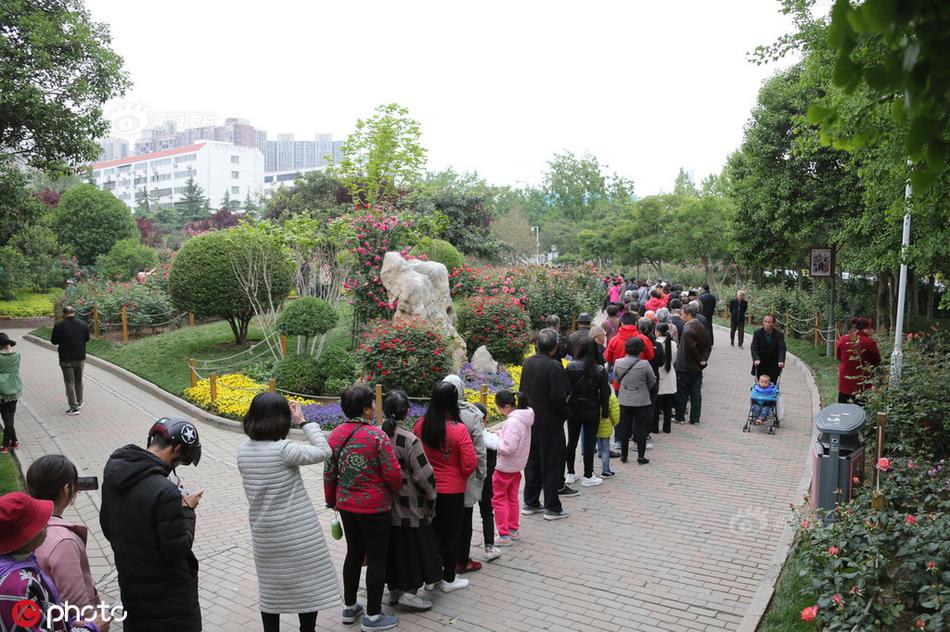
359	480
858	354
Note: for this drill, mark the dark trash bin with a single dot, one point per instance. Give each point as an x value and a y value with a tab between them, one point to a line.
838	455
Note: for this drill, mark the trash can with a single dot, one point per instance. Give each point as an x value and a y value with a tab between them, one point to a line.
838	454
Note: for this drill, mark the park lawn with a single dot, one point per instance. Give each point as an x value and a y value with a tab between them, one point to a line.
9	475
29	304
163	358
792	595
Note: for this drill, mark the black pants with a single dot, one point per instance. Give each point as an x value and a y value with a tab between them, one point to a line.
308	621
842	399
544	469
367	536
664	403
7	411
735	326
689	386
709	331
449	519
634	420
590	423
654	419
484	508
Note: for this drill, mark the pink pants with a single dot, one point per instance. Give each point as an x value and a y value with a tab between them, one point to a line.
504	501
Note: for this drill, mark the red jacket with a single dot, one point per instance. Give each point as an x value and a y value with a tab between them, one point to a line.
655	304
455	461
615	348
362	475
858	354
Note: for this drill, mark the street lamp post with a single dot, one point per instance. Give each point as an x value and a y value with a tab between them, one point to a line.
897	356
537	243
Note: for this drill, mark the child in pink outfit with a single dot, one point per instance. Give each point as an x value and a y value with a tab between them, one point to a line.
514	443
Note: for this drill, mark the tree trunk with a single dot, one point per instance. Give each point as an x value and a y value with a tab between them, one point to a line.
235	330
882	308
931	296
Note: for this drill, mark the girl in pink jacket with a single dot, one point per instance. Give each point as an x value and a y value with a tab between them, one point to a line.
514	443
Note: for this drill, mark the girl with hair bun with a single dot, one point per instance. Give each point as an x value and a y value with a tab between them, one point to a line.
514	443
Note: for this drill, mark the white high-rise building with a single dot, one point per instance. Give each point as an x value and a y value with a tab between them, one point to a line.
217	167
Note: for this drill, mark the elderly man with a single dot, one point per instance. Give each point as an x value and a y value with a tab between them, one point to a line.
70	335
737	311
768	350
691	360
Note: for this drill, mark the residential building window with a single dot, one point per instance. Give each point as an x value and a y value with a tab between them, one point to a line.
125	168
187	173
235	160
186	158
161	177
235	189
160	162
140	180
235	175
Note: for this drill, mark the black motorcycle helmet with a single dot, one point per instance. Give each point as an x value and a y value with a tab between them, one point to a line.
178	431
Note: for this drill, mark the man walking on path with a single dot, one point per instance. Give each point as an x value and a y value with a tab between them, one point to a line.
545	382
690	362
708	300
737	310
70	335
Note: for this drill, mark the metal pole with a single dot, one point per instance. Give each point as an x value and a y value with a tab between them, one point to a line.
830	346
897	356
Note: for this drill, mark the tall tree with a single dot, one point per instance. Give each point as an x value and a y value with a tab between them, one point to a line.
194	205
316	193
684	184
513	230
574	185
382	157
143	202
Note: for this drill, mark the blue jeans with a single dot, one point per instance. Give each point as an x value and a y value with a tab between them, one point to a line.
761	411
603	451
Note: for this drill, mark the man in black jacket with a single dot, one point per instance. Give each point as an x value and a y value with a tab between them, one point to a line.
71	335
708	300
737	311
554	322
545	382
768	349
150	524
691	359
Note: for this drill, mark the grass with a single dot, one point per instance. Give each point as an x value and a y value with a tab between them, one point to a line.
163	358
9	475
792	595
29	304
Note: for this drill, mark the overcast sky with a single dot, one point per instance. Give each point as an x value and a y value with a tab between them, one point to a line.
647	86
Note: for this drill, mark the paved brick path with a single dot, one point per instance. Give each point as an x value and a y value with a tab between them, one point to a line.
680	544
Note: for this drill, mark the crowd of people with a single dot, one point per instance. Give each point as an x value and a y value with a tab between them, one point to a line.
402	491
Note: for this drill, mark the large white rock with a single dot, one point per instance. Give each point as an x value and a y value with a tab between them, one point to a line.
420	290
482	362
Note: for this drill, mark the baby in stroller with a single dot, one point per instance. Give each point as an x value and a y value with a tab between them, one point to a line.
763	395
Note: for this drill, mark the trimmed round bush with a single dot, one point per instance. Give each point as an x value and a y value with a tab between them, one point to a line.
499	323
406	356
90	221
441	251
298	373
125	259
336	365
308	316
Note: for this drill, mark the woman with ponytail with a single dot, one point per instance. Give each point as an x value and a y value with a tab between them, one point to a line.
514	443
667	376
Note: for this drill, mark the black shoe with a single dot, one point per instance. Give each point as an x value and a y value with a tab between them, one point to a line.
614	455
607	474
643	461
623	459
567	491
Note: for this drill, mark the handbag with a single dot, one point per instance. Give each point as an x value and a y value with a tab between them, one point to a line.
336	526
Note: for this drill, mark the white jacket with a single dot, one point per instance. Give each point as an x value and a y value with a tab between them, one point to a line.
668	378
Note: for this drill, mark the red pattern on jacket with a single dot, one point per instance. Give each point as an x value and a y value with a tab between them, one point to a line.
858	354
364	475
455	462
615	349
655	304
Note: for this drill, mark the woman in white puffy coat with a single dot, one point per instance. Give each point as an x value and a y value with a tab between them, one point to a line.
667	375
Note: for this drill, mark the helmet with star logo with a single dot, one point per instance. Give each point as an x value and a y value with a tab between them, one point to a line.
178	431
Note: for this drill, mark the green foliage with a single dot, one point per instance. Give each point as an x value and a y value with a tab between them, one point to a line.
439	250
382	156
500	323
316	194
89	222
211	271
47	267
565	292
574	184
126	258
27	304
299	374
147	304
307	316
14	272
193	206
466	218
406	356
19	208
514	232
337	370
9	475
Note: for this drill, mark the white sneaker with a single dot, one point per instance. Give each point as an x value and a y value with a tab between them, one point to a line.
570	478
615	446
492	553
431	587
413	602
593	481
649	445
458	584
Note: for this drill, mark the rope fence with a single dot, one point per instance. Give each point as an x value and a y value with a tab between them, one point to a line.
792	323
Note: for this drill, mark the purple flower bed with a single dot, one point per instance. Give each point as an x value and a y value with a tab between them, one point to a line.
495	381
329	416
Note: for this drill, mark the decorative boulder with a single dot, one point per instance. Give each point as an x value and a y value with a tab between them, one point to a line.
482	362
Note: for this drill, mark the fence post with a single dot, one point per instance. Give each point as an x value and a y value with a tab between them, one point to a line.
95	320
272	385
881	421
194	375
191	319
213	382
125	325
283	345
379	404
483	395
817	324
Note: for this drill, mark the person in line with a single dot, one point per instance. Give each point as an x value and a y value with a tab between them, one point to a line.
448	446
580	334
636	378
737	311
588	403
474	422
10	387
294	571
708	302
600	339
150	523
23	528
691	360
676	319
657	300
611	324
359	480
554	322
62	555
545	382
768	349
514	444
858	356
628	329
414	558
613	294
70	335
666	389
485	508
646	327
663	318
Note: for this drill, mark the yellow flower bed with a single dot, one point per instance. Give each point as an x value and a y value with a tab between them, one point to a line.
515	373
235	392
473	397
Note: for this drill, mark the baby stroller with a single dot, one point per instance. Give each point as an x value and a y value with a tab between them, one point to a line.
772	418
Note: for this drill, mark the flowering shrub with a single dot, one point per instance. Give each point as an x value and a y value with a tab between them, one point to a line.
146	303
407	356
565	292
488	281
235	392
884	568
499	323
374	237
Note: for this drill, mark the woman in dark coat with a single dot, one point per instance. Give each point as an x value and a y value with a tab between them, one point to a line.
588	403
768	349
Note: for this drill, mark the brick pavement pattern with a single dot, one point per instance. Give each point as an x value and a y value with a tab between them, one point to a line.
680	544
